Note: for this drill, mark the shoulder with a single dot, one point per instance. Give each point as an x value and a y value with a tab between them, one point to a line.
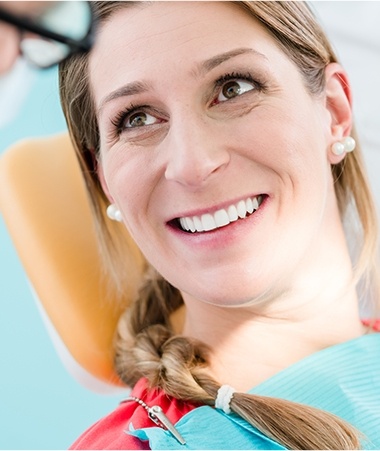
112	431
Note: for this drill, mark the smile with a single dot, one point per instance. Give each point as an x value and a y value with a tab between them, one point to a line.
221	218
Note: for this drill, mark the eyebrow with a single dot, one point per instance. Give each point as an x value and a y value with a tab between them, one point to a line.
202	68
136	87
215	61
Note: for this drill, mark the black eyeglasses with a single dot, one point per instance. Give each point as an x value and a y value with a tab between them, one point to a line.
62	29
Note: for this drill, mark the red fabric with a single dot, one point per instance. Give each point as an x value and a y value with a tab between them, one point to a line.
375	324
108	433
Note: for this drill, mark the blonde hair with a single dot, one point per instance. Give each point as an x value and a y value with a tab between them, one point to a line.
146	345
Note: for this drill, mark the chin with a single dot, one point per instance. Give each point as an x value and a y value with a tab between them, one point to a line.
241	294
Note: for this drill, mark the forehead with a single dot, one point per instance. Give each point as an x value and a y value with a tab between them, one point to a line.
144	40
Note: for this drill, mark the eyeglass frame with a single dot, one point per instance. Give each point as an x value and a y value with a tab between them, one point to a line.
75	46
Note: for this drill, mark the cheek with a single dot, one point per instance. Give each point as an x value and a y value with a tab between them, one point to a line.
118	175
130	181
280	137
290	148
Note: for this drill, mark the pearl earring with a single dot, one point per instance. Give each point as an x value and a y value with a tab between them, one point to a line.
347	145
114	213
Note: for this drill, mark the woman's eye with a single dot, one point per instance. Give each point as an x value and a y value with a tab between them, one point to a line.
234	88
139	120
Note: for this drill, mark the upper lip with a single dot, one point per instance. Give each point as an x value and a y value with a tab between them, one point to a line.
214	208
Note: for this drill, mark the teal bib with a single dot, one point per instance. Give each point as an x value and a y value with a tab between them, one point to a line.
343	379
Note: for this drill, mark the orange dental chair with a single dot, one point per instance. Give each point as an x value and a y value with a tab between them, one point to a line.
45	208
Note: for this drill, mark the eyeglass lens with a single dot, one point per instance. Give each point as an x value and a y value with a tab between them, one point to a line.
70	19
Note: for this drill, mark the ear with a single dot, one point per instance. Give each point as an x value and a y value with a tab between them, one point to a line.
339	106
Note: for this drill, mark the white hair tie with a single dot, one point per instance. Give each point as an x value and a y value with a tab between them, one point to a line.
223	398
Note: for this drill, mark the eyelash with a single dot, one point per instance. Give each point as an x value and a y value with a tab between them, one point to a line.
260	86
119	120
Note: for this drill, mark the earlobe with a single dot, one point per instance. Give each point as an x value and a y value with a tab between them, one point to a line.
338	105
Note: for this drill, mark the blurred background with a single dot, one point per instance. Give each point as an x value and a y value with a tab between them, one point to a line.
41	405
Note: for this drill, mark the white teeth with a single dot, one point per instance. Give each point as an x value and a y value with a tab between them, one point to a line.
249	205
190	224
221	217
241	209
208	222
182	221
232	213
198	224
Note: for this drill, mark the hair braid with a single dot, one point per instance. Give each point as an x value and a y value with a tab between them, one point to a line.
147	347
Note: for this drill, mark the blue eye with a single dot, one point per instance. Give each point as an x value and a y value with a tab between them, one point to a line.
234	88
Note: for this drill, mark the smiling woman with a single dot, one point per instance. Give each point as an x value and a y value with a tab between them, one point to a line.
222	136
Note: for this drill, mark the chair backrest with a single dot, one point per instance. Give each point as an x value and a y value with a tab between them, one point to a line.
46	210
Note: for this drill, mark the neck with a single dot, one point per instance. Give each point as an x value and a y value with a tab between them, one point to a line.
251	343
246	349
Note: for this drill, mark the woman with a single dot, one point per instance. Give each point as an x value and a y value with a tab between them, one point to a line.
221	135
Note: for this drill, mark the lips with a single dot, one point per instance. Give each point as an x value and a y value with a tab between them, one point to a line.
220	218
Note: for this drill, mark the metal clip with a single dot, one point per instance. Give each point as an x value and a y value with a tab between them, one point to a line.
157	416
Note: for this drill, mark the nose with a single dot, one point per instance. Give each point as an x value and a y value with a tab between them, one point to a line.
196	152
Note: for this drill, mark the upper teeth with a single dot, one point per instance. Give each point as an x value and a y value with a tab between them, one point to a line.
221	218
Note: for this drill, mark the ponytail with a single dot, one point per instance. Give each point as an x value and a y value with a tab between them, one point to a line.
147	347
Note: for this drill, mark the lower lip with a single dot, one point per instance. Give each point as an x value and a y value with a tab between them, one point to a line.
223	235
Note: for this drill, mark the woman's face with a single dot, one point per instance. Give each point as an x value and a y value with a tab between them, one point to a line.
202	116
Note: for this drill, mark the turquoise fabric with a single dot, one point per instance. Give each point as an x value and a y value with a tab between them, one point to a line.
343	379
208	428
